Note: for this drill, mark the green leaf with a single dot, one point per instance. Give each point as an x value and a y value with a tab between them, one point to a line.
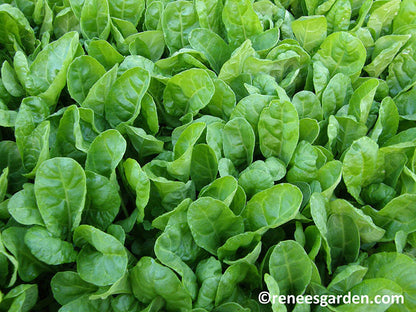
348	277
209	15
273	207
188	92
397	268
310	31
18	30
178	20
97	94
209	274
343	53
387	121
361	166
29	267
10	80
240	20
211	45
103	259
139	183
150	279
105	53
150	44
95	19
243	247
290	266
373	288
369	232
129	10
307	105
103	201
384	52
223	188
6	257
105	153
60	190
336	94
279	130
21	298
68	286
212	223
362	99
23	208
343	239
234	275
398	215
250	109
47	248
339	16
204	165
382	16
48	80
238	142
175	246
83	73
125	96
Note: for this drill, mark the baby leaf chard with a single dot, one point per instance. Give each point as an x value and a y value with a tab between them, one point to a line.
187	156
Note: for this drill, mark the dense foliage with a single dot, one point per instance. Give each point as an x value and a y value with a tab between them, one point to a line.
186	155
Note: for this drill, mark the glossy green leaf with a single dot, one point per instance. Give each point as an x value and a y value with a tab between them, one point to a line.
212	223
150	279
60	190
47	248
95	19
125	96
240	21
188	92
279	130
102	259
331	54
273	207
238	142
105	153
178	20
289	265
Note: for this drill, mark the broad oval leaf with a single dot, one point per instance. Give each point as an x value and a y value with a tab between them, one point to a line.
123	102
204	165
290	266
67	286
60	190
273	207
103	259
150	279
48	248
341	52
238	142
188	92
23	208
105	152
95	19
103	201
212	223
178	20
343	239
83	73
240	20
361	166
279	130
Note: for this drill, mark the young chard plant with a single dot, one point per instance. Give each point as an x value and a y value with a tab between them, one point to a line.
184	156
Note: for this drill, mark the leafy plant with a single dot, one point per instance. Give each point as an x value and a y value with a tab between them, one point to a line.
187	155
